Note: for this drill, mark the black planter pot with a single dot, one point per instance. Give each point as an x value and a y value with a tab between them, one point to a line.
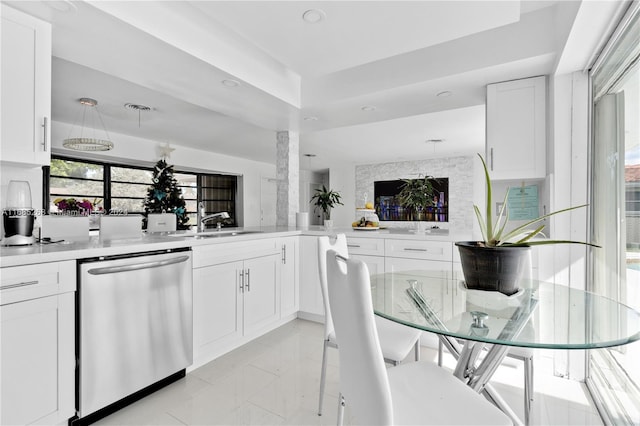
494	268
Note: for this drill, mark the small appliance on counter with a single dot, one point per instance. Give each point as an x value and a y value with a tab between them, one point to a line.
18	215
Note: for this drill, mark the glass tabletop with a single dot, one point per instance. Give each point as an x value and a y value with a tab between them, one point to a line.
539	315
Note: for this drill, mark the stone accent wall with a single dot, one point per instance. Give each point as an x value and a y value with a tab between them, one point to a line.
459	170
288	176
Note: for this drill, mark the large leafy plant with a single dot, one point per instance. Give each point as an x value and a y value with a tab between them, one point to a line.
326	200
494	233
416	194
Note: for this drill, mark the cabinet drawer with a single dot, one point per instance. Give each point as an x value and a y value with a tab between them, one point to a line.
228	252
31	281
414	249
366	246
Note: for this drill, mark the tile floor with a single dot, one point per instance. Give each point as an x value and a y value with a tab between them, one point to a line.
274	380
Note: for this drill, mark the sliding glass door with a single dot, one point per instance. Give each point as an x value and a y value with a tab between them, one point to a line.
614	374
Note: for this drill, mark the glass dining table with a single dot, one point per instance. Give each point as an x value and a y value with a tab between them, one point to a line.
471	322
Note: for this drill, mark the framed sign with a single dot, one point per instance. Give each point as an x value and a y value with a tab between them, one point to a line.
522	202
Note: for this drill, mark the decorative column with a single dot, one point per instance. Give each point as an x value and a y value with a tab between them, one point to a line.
288	176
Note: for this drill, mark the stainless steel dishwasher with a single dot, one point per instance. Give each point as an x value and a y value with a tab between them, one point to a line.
135	328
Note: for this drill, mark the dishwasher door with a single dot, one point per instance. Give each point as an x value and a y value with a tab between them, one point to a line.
135	325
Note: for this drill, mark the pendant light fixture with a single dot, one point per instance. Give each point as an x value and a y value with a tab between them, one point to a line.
91	115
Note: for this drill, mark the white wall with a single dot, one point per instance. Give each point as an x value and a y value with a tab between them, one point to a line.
342	179
132	150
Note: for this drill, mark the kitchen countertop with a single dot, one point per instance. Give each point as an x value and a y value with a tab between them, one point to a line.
94	246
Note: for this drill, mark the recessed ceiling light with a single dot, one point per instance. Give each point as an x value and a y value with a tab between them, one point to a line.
230	83
444	94
368	108
313	16
61	5
311	118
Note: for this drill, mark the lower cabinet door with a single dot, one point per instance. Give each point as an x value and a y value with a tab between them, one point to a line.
289	278
261	293
217	303
38	361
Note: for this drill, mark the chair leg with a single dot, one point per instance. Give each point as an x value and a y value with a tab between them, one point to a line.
323	374
417	350
528	389
440	348
340	410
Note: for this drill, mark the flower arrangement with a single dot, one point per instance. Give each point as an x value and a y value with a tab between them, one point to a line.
72	205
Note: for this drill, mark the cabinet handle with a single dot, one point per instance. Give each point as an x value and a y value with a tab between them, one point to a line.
284	254
23	284
44	139
248	280
491	157
353	245
242	281
414	249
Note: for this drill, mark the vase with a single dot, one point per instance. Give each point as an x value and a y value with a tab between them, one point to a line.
494	268
328	224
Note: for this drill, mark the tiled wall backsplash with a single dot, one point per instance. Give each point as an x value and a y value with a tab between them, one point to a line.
459	170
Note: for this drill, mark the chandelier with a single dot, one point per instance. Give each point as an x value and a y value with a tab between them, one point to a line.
91	114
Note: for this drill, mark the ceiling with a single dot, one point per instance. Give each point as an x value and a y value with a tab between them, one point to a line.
361	86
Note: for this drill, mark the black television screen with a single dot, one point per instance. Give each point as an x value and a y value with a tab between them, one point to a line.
389	209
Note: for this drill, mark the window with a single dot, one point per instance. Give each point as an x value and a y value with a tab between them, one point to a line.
75	179
614	373
128	188
112	187
218	193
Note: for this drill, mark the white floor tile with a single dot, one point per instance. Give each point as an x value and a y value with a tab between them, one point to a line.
275	380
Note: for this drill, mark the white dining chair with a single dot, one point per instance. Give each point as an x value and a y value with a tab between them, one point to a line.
409	394
396	340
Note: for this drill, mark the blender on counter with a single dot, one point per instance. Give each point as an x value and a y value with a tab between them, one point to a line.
18	216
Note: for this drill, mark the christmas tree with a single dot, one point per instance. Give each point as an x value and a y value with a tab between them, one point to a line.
164	196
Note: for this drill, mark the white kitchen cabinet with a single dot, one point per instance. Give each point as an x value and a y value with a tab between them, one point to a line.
365	246
289	279
38	344
261	301
311	304
419	249
25	88
236	295
217	306
516	129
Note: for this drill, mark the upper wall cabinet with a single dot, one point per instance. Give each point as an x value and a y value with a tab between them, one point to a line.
516	129
25	88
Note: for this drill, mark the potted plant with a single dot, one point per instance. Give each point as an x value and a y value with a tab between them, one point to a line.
326	199
416	195
500	260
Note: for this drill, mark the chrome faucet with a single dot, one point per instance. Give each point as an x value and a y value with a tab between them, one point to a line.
206	218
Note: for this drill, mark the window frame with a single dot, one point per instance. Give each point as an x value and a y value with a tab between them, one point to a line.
107	183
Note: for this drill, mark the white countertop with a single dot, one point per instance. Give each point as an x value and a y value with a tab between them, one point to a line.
95	246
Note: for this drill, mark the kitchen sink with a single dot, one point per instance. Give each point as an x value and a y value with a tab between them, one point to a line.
215	234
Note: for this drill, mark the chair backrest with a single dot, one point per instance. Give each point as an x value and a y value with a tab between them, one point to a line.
363	376
324	245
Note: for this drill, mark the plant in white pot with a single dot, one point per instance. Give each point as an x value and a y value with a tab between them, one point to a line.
500	260
326	199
